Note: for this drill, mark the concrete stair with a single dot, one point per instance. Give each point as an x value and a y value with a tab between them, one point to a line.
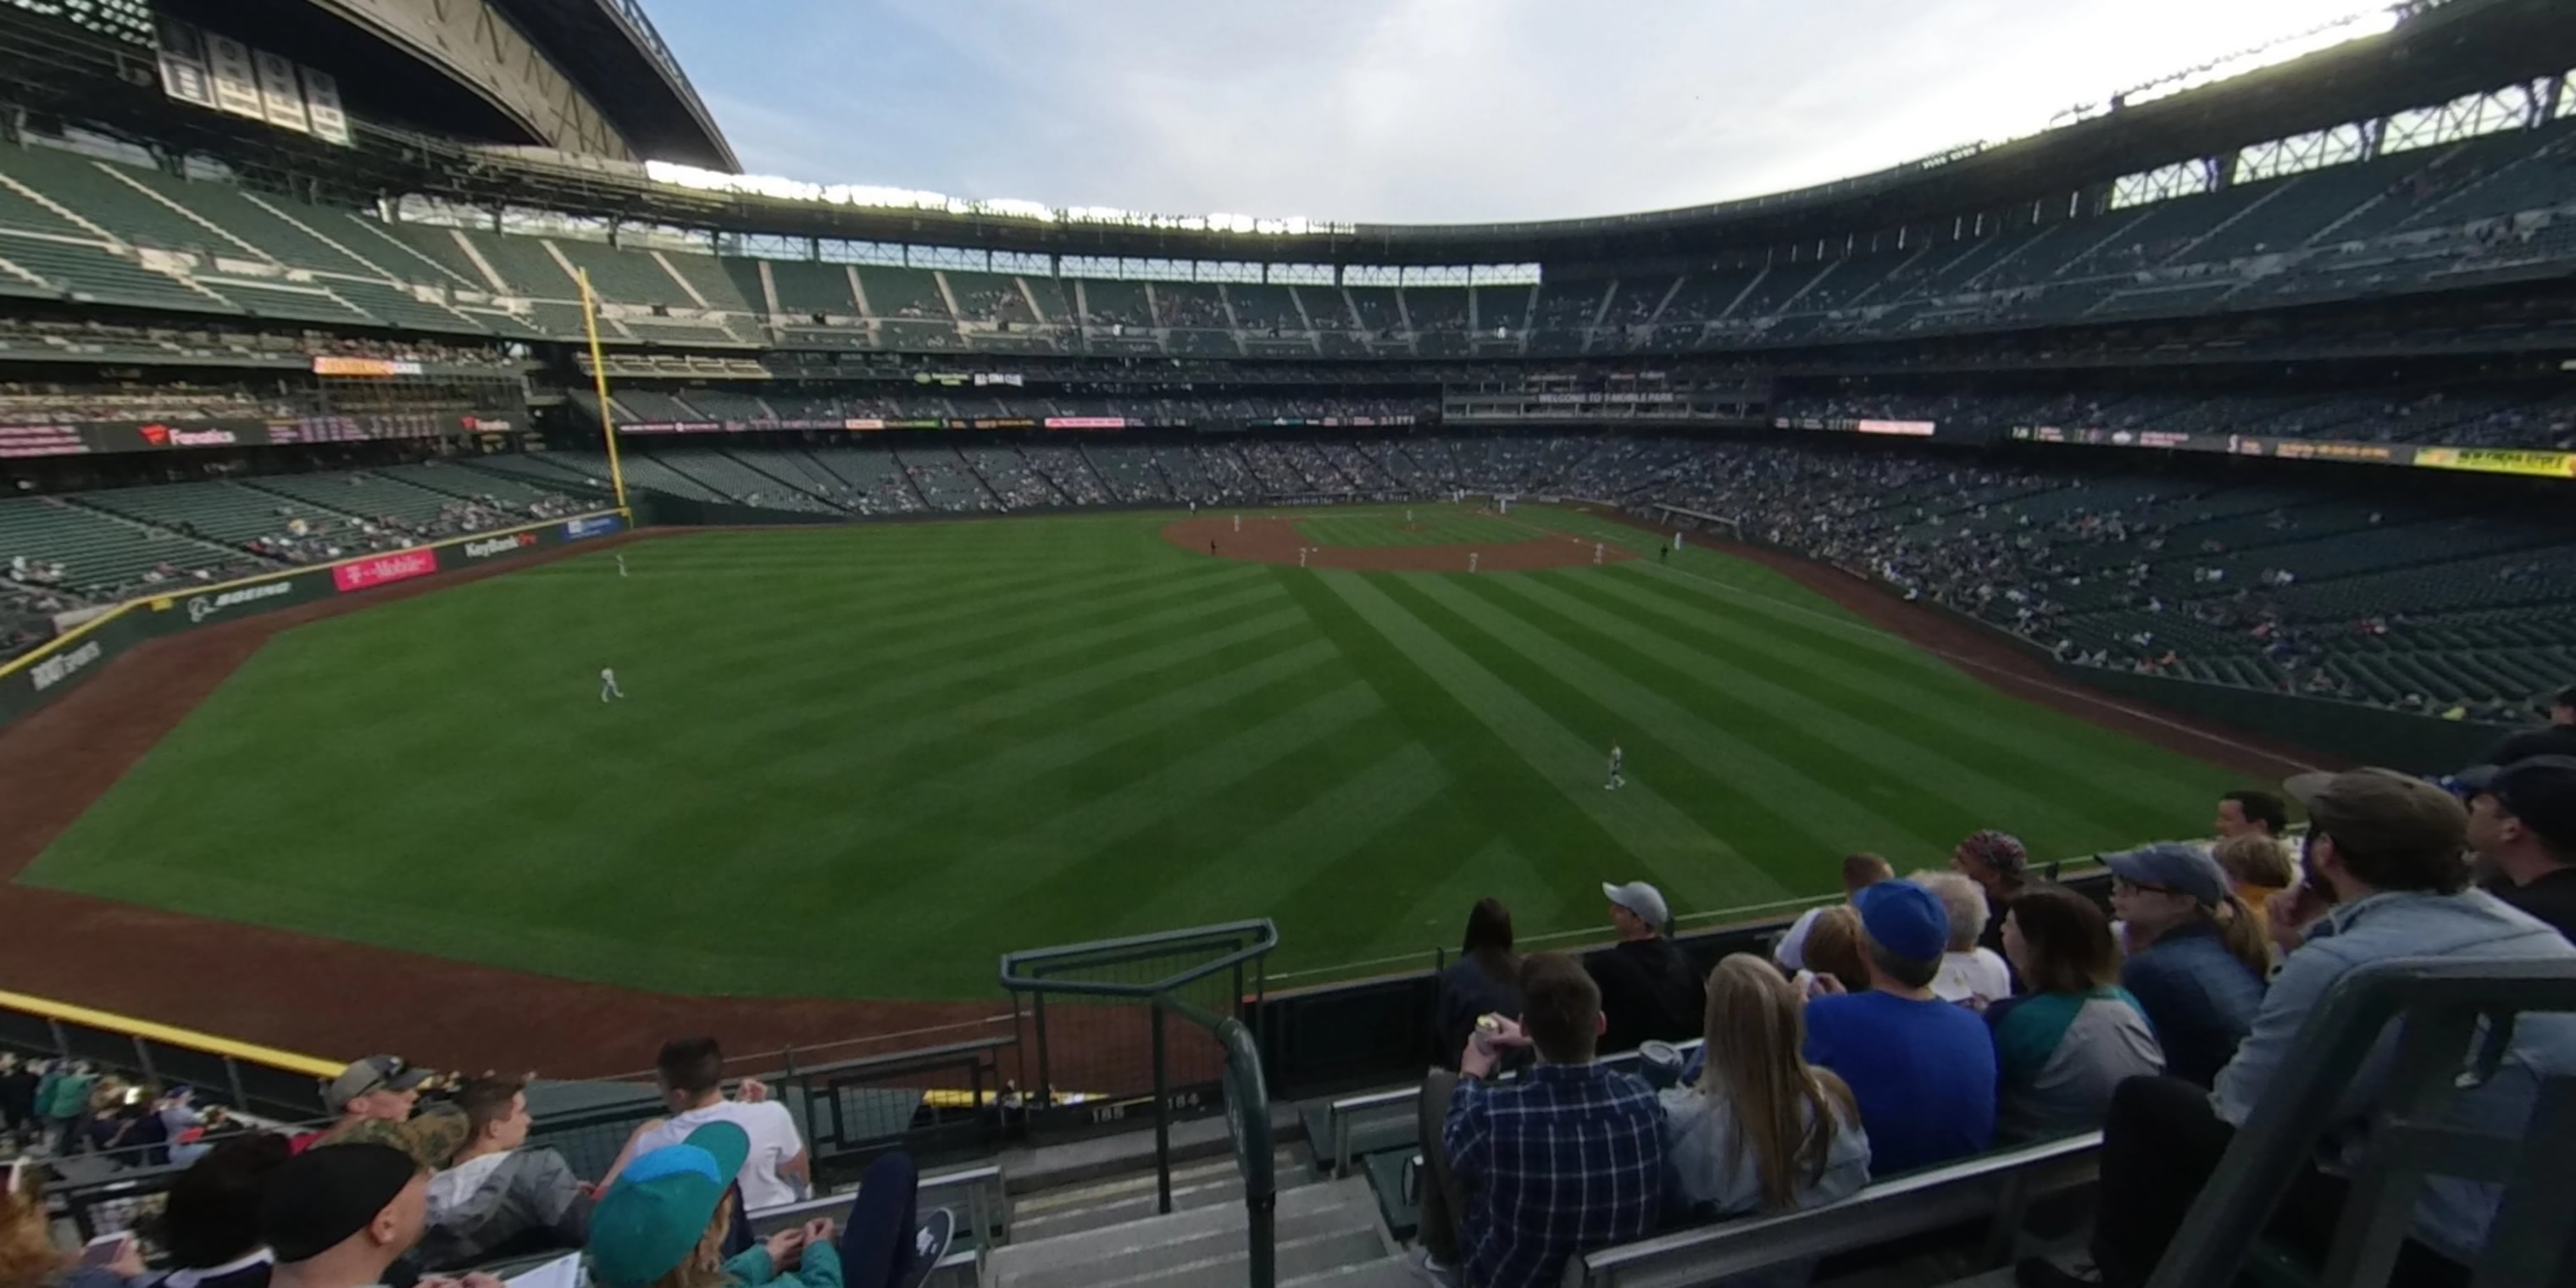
1329	1236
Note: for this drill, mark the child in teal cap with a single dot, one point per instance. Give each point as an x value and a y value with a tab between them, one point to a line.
663	1225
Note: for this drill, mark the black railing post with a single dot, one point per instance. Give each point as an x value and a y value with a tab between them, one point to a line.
1162	1118
1263	1220
1043	1094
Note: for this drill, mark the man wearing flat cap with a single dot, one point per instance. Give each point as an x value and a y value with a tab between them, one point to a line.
2387	878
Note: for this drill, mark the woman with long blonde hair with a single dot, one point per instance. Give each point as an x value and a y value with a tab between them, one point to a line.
1761	1130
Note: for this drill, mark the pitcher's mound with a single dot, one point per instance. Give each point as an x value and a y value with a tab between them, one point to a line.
1276	541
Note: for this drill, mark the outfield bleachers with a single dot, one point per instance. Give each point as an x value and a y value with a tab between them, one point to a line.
103	557
944	480
744	480
875	475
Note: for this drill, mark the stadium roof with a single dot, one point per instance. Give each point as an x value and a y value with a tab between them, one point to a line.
611	49
2440	51
589	77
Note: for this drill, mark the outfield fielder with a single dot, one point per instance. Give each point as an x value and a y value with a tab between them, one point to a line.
608	685
621	565
1617	779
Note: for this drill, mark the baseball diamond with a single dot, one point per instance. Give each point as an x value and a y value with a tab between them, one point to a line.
874	758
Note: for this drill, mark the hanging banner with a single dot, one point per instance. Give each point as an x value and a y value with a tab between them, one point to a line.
280	93
322	103
236	79
183	63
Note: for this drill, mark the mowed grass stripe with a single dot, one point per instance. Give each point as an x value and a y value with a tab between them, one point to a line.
1507	794
1789	803
941	766
892	829
2106	762
1666	842
1017	870
933	628
1275	819
1603	707
1809	716
1243	635
814	862
982	686
1262	873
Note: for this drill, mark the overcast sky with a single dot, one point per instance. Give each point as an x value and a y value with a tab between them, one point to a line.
1413	110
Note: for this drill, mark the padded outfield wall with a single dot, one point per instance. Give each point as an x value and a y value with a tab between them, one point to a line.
30	683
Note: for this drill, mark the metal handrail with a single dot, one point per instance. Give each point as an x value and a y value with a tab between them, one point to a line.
2456	1019
1137	948
1995	1186
1247	1092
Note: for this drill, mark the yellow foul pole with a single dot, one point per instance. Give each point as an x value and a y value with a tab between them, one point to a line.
599	379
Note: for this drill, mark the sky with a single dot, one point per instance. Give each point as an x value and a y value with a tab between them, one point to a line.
1413	111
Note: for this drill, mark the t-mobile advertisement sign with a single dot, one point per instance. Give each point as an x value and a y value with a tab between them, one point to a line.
401	566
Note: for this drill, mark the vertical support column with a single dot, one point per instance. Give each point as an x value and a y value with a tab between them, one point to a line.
1162	1119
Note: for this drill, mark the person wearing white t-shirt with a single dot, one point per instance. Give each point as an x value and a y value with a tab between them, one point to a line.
691	1072
1968	971
1859	872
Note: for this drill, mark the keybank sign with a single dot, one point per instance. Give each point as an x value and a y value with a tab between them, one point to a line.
201	607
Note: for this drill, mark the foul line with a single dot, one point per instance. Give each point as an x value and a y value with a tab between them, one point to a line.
1955	659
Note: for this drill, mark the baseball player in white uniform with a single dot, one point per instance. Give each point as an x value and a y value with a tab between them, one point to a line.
1617	779
608	685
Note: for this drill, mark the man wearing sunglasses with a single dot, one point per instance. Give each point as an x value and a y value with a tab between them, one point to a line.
375	1099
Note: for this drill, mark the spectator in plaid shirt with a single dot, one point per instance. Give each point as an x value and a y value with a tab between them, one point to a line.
1526	1174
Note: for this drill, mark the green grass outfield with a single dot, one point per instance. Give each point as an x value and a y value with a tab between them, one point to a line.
863	761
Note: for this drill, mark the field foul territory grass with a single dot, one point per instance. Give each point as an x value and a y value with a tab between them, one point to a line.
862	762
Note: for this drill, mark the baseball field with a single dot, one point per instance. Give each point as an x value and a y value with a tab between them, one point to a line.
862	762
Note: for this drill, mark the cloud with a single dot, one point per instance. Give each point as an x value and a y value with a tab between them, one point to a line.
1412	110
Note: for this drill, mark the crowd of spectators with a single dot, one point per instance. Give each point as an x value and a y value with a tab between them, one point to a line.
90	338
1877	1040
424	1179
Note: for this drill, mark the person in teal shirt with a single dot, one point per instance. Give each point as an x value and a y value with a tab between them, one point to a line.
2062	1048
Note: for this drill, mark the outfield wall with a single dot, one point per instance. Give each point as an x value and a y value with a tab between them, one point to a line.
30	683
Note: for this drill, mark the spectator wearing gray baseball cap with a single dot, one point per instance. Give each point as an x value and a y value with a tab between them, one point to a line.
375	1099
2196	959
2522	822
1649	990
2386	879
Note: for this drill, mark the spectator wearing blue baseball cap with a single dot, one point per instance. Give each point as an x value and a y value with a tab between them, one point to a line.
663	1224
1923	1070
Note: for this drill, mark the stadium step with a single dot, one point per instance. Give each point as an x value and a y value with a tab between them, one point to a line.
1327	1234
1096	1205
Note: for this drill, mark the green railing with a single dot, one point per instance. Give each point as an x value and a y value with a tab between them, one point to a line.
1160	972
